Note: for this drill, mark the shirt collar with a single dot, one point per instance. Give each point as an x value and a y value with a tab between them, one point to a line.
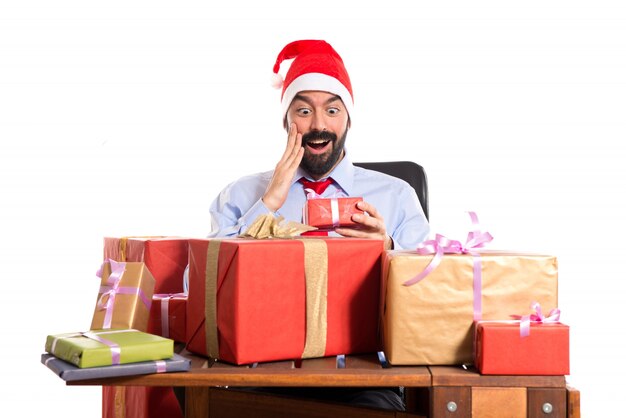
342	174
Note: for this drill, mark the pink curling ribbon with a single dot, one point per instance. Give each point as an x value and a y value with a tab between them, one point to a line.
334	204
165	303
537	317
441	245
112	288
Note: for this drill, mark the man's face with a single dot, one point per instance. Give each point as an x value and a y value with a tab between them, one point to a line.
322	119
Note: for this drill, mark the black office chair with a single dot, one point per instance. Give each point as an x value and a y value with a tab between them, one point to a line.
408	171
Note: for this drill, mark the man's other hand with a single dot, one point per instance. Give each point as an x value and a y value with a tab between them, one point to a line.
369	225
276	193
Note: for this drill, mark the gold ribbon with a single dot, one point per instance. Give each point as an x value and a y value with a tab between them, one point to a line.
269	226
316	279
210	299
124	244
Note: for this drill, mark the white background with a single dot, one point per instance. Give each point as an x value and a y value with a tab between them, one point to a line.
128	117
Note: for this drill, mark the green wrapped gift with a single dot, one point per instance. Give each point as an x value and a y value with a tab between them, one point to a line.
108	347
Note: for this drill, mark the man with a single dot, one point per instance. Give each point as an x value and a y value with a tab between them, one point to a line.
317	105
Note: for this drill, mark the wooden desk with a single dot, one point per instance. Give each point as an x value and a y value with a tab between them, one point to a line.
430	391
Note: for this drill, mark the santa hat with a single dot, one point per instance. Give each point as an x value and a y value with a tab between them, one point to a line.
316	66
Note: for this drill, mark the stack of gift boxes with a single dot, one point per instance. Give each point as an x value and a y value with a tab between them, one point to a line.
290	297
140	313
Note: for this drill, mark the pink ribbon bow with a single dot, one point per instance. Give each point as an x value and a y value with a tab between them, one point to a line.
441	245
310	194
112	288
537	317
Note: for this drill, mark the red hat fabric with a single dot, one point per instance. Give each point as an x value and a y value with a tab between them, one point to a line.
316	66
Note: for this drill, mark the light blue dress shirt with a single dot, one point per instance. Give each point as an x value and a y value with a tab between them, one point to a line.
239	204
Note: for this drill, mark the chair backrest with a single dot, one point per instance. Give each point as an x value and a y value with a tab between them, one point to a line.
408	171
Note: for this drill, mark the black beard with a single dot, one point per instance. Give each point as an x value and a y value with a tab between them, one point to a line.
318	165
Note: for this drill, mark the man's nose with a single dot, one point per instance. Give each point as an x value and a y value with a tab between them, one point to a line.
318	122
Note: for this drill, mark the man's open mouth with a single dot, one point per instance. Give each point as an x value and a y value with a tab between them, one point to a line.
318	143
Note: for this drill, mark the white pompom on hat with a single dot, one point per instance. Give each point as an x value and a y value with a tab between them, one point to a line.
316	66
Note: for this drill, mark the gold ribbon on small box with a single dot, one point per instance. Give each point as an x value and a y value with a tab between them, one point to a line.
316	281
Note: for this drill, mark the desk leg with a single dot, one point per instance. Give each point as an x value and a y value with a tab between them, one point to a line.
451	402
547	402
197	402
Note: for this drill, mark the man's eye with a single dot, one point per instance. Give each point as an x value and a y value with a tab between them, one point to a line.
333	110
304	111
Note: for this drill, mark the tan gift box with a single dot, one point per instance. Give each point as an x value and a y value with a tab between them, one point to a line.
430	322
125	296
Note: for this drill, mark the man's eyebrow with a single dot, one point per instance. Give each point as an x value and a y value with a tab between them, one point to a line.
310	103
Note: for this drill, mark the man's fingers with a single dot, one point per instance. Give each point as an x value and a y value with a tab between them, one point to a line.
291	142
366	207
297	153
352	233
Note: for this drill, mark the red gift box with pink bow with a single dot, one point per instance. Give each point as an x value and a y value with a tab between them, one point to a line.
532	345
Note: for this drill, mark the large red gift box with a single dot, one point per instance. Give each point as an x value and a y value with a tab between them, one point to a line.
501	350
168	316
277	299
326	214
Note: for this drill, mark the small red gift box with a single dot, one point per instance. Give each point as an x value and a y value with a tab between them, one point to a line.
327	214
501	350
277	299
168	315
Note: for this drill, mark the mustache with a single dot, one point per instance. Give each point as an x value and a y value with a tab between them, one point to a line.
323	135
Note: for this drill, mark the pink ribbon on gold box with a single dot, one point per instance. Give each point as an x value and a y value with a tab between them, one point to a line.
441	245
112	288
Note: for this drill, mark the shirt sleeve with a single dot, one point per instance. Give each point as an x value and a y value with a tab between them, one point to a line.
234	210
411	227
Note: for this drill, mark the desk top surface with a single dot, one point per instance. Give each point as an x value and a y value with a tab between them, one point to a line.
358	370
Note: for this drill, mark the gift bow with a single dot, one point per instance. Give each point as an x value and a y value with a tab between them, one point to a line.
442	245
537	317
310	194
269	226
112	288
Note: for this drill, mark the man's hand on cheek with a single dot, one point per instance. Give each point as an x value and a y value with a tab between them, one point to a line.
279	185
369	225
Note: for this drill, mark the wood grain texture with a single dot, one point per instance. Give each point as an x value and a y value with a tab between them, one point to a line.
442	396
573	402
197	402
316	373
557	398
457	376
499	402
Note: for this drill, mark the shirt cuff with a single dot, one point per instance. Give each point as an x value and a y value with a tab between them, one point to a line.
254	212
